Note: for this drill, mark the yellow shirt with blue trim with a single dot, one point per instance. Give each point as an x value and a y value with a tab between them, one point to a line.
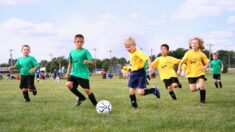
125	69
165	66
194	60
137	60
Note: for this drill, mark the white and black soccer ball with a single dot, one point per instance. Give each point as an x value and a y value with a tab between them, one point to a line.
104	106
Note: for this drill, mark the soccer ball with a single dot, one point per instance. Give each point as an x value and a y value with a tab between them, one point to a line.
104	106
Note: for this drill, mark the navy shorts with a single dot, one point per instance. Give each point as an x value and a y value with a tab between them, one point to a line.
137	79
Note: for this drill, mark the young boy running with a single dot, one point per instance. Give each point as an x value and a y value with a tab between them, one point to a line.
217	67
165	65
27	65
138	74
78	72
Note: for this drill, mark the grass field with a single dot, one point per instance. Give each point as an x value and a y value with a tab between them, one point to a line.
53	109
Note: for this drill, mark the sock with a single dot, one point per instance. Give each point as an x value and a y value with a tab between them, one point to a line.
172	95
202	95
78	94
26	95
149	91
147	82
216	84
220	84
92	99
133	101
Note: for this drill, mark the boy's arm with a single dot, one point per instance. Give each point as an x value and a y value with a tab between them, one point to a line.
222	67
88	62
33	69
68	71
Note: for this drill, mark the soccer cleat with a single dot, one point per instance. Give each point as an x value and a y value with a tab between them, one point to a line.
79	101
203	101
157	92
134	105
180	85
27	100
35	92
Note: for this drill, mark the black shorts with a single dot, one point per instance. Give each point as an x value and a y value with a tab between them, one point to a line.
217	76
193	80
84	83
27	81
170	81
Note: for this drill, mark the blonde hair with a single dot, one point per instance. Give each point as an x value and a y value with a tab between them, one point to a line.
200	41
215	53
130	39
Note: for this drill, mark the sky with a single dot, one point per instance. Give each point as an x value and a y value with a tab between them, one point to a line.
49	26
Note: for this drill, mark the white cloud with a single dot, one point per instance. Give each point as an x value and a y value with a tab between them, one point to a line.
199	8
231	19
19	2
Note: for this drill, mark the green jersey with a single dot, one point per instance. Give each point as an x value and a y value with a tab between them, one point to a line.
25	63
216	65
76	59
146	68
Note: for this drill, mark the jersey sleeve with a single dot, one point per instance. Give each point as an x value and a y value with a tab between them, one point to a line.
155	63
185	58
175	60
221	63
88	56
204	58
34	62
142	56
17	64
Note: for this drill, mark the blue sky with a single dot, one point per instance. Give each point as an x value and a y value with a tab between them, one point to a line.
49	26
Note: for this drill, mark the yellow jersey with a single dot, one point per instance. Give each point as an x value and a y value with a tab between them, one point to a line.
137	60
165	66
125	69
194	60
183	67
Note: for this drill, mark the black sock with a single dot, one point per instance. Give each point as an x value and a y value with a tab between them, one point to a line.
133	101
149	91
202	95
220	84
216	84
172	95
147	82
92	99
78	94
26	95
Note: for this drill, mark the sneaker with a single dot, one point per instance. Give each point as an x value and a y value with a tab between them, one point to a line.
35	91
180	85
157	92
79	101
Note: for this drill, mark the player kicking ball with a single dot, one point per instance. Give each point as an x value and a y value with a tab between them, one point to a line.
78	72
165	65
27	65
138	73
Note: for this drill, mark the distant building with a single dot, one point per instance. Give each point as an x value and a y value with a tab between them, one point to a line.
4	70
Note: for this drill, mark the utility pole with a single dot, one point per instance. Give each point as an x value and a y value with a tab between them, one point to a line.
95	59
51	62
11	58
209	49
110	53
151	54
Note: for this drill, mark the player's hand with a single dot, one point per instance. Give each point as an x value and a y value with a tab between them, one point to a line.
222	69
10	68
85	62
178	72
67	75
203	68
31	70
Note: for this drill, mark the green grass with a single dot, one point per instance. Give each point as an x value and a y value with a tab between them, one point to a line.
53	109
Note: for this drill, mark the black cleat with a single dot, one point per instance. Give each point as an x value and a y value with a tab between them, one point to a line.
27	100
180	85
134	105
79	101
203	102
157	92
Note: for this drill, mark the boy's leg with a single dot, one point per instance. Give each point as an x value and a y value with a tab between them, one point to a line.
202	90
26	94
216	83
91	96
133	98
171	92
219	80
192	84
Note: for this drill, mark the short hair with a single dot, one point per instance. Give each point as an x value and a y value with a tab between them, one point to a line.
130	39
25	45
200	41
79	36
215	53
165	45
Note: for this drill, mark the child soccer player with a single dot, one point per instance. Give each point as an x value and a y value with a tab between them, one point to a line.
217	67
165	65
27	65
78	72
146	68
125	71
138	74
196	62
